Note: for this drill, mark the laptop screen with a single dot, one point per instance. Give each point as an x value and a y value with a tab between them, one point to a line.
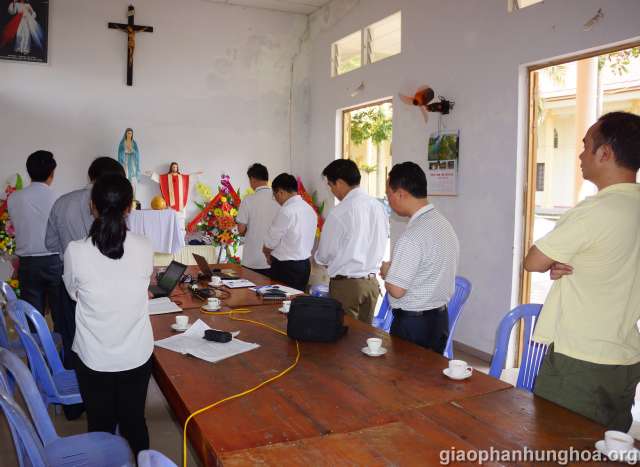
171	276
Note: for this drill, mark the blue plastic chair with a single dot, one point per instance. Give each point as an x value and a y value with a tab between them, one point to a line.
533	352
42	446
152	458
14	344
454	309
384	318
319	290
57	385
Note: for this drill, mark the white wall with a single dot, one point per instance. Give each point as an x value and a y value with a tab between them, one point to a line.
473	52
211	90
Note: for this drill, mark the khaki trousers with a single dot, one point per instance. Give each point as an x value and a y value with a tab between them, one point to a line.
358	296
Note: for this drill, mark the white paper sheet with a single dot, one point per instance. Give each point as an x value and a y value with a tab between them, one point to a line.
159	306
237	283
191	342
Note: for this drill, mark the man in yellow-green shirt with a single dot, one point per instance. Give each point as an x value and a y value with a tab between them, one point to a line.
593	253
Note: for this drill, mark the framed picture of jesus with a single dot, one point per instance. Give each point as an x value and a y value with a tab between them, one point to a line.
24	29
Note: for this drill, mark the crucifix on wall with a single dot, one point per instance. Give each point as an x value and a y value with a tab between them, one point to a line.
131	29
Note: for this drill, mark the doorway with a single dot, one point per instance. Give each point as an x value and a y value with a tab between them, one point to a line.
565	99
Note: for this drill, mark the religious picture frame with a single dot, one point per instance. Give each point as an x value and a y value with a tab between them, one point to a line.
24	30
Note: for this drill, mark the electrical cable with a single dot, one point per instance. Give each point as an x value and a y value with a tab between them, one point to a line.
243	393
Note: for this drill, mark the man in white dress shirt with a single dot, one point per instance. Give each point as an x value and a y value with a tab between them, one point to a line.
40	270
353	241
255	216
291	235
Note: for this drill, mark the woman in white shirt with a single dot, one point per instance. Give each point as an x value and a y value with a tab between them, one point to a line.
108	274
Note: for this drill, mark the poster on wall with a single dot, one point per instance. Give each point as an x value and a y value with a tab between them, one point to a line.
442	164
24	26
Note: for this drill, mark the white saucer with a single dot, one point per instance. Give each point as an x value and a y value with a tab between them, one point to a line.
175	327
632	456
466	375
366	351
282	310
208	308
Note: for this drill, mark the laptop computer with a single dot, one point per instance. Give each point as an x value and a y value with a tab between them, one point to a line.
168	280
207	273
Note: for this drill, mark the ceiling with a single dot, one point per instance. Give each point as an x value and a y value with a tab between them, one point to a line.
304	7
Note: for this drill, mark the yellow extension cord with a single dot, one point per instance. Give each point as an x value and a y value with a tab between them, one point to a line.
244	393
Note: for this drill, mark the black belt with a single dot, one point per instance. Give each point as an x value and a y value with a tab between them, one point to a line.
399	312
371	275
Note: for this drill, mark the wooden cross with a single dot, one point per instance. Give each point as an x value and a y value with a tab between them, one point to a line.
131	29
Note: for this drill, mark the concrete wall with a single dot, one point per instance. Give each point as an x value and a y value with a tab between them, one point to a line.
213	88
473	52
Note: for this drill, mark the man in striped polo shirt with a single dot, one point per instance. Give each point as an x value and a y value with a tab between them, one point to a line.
420	278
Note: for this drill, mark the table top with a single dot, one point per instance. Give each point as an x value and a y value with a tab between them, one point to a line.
334	389
503	420
339	406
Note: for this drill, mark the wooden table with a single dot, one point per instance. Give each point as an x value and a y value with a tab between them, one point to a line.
334	389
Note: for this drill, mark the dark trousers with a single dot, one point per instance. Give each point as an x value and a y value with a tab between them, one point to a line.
431	330
40	278
264	272
67	325
117	399
292	273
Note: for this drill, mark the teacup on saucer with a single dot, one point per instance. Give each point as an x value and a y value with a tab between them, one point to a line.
206	307
177	328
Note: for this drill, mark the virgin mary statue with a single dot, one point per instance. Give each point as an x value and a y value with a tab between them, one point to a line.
129	156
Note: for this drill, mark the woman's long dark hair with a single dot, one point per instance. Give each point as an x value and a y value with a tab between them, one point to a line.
112	195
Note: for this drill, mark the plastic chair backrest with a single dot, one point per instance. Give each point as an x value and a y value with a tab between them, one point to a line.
10	302
13	365
384	318
533	352
44	334
25	438
152	458
39	368
454	309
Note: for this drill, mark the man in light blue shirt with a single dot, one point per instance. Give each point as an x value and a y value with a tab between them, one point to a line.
40	269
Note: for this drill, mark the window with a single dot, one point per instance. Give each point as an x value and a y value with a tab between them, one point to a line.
381	40
540	176
555	138
384	38
346	54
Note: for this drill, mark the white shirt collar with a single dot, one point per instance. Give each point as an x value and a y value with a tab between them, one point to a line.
419	212
262	187
354	192
293	199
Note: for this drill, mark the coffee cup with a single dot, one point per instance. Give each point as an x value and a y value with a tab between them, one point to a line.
213	303
617	441
215	281
286	306
182	321
459	368
374	344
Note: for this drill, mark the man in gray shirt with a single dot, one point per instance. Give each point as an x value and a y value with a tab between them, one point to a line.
421	276
40	268
70	219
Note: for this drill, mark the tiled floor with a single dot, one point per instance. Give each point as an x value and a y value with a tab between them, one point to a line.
165	431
